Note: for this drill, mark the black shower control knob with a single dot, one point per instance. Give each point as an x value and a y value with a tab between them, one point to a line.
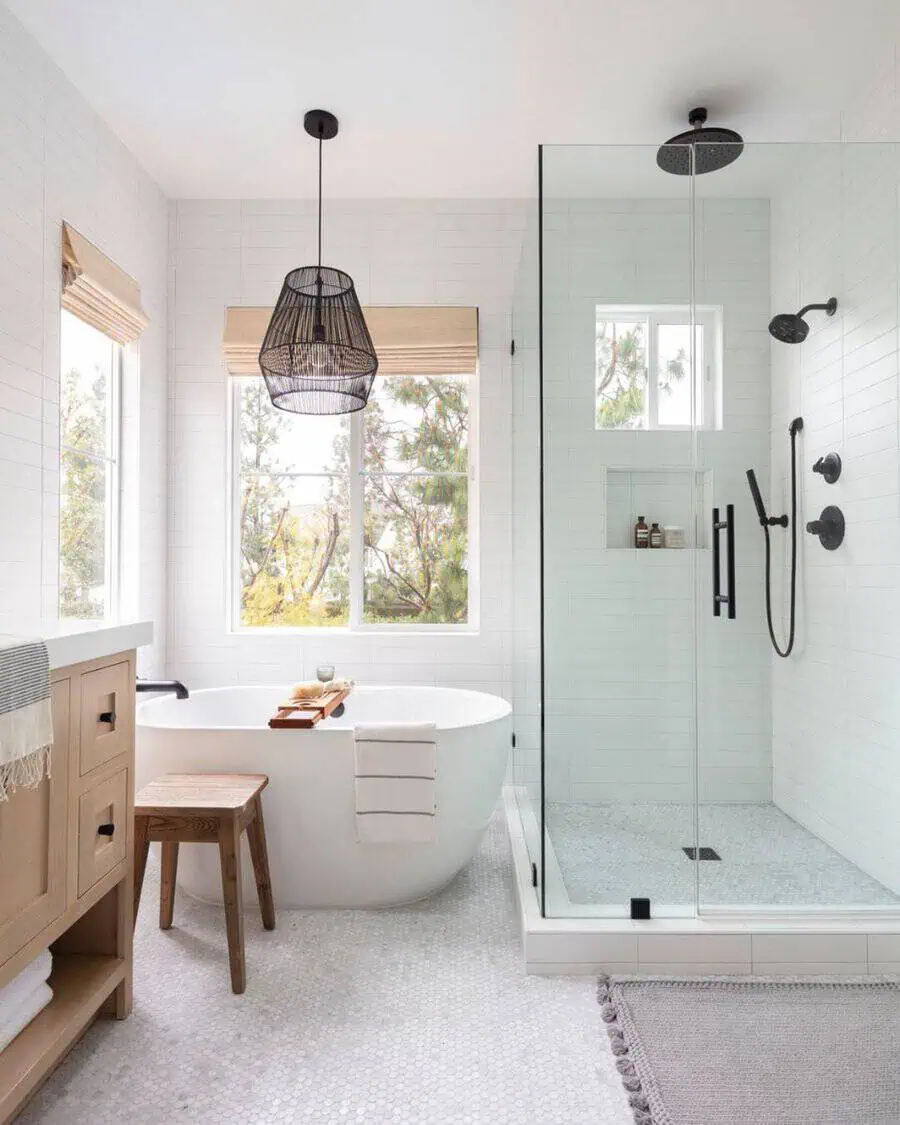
829	527
829	466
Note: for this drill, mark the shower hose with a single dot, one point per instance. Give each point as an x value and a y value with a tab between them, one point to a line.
786	651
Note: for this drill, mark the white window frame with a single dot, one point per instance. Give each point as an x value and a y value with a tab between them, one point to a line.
709	318
358	474
111	460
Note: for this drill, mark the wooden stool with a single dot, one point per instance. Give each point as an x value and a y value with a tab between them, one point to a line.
206	808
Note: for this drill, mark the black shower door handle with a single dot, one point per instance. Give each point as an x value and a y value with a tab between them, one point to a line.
718	526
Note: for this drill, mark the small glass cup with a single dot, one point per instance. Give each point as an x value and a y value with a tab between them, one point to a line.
325	673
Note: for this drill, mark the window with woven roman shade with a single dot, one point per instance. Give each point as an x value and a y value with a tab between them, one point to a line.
367	519
96	291
409	340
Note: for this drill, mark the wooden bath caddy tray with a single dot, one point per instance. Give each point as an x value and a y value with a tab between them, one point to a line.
306	713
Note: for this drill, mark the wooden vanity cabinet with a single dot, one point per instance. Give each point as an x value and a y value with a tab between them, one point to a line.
66	871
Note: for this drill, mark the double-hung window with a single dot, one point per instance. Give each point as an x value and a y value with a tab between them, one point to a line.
355	521
652	371
91	375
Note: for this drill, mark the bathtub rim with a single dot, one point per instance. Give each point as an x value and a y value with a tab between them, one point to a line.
147	709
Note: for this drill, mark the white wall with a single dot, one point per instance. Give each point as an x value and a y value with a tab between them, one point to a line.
836	700
60	162
224	253
620	624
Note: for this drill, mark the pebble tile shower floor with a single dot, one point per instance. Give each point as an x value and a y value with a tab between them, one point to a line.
421	1015
609	853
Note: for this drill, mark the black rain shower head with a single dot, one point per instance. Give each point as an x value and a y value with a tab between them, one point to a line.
700	149
791	328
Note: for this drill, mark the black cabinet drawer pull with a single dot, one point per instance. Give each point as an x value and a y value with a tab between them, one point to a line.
106	830
107	717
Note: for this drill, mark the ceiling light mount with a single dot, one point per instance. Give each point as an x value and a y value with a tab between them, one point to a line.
320	124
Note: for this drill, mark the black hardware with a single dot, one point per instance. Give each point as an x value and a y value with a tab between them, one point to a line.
726	525
770	521
106	829
176	686
764	519
512	347
534	878
829	527
106	717
705	853
640	909
791	328
829	466
338	711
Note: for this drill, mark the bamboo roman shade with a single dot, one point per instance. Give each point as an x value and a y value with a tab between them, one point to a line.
96	291
409	340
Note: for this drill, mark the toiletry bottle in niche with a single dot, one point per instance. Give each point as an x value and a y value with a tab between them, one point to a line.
656	536
641	533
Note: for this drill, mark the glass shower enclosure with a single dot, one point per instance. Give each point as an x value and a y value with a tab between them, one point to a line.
664	750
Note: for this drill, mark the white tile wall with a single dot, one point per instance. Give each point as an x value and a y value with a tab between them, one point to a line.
836	707
61	162
226	252
619	698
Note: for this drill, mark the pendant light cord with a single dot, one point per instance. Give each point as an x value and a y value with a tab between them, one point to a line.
320	200
786	651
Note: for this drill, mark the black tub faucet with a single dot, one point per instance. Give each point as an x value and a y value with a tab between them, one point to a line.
176	686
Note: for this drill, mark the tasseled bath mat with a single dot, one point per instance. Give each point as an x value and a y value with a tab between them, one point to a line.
757	1050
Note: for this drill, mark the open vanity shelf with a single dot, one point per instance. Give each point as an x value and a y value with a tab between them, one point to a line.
81	984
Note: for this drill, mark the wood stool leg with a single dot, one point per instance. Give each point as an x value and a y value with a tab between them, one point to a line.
230	857
167	883
256	838
141	851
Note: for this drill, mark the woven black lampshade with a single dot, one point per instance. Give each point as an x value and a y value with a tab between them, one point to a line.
317	356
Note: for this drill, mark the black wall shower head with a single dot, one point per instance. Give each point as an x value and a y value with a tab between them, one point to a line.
700	149
791	328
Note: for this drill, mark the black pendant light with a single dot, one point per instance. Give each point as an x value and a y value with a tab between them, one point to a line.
317	356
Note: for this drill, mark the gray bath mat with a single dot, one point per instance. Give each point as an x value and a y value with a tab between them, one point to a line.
755	1050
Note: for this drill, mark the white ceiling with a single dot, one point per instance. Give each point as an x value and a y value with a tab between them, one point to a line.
443	98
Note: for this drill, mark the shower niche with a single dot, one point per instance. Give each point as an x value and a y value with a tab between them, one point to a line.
672	496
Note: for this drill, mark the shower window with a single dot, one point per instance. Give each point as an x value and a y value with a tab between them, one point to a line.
356	521
643	367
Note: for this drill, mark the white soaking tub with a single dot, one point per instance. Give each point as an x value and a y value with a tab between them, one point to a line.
309	806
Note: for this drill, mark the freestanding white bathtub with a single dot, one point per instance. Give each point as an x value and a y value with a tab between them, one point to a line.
309	806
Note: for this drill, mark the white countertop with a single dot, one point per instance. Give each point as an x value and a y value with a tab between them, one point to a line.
71	642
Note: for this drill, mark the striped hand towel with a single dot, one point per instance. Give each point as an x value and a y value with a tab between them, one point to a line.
26	719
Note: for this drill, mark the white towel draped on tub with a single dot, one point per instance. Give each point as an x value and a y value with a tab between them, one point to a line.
395	772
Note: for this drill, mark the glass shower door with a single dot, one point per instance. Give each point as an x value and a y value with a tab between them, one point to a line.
622	351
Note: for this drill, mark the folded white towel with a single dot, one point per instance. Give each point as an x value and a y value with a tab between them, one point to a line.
395	828
398	750
395	794
395	782
22	985
17	1020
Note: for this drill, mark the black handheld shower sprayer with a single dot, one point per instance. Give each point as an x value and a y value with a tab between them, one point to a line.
767	521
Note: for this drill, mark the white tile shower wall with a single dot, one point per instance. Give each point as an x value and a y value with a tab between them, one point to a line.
60	161
420	252
836	707
619	695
